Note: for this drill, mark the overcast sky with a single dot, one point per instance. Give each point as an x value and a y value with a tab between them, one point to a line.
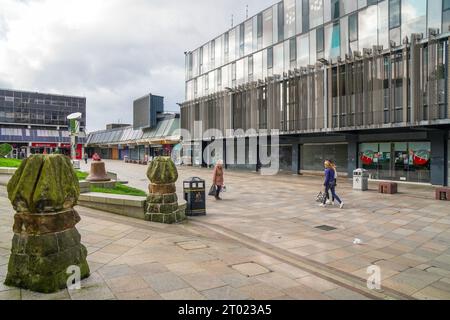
110	51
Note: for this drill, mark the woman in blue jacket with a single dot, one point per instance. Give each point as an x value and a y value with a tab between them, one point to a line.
330	184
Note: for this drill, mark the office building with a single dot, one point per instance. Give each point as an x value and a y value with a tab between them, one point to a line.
362	82
37	122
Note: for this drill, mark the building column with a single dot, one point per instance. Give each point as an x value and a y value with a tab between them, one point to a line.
258	159
352	161
296	149
439	140
204	146
224	146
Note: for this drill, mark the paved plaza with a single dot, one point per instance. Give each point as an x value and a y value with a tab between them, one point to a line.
262	242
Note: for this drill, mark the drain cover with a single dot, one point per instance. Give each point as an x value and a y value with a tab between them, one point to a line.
326	228
191	245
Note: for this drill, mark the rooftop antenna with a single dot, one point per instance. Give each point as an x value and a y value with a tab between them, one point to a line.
232	21
246	11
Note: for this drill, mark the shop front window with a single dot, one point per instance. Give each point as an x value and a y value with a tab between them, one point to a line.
401	161
313	156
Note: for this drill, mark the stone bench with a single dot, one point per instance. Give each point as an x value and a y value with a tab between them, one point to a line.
443	194
388	188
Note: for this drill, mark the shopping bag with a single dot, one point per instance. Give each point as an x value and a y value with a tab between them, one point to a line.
212	190
321	197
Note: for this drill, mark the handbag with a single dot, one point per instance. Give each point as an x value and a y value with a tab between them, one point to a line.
212	190
321	197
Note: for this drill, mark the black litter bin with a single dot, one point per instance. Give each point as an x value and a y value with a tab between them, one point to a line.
195	196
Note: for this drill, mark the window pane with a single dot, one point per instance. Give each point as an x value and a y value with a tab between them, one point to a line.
305	16
258	66
270	58
278	59
232	45
434	14
312	47
292	49
446	4
446	20
289	18
353	27
267	28
367	27
344	37
332	41
414	18
248	37
315	13
303	50
394	13
320	39
335	13
348	6
383	24
298	15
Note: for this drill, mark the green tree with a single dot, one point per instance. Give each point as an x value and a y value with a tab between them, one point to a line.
5	149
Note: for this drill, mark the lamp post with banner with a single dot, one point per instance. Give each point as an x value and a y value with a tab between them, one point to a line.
74	131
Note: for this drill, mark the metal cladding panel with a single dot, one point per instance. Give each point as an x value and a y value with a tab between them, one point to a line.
141	113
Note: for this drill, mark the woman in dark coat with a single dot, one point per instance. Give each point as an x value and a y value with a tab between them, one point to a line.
330	184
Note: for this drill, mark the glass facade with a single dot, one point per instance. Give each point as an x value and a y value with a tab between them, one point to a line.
346	26
399	161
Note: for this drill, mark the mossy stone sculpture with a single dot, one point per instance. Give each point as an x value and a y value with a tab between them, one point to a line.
162	203
46	243
162	170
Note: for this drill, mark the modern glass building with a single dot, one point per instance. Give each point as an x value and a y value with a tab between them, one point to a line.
37	122
362	82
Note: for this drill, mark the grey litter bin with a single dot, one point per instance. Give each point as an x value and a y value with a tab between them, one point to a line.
361	180
195	196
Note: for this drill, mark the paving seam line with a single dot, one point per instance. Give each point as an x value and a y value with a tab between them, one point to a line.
320	270
140	224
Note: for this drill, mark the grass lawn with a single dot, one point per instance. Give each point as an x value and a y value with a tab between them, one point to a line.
121	189
10	163
15	163
81	175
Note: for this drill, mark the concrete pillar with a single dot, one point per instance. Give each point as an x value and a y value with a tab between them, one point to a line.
225	162
352	155
258	159
296	158
439	140
204	163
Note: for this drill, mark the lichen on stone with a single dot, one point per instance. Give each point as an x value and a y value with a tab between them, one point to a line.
162	170
44	183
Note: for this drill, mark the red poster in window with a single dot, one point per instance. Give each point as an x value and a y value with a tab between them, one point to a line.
421	158
367	157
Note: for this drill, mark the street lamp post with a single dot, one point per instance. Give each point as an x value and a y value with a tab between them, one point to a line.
74	131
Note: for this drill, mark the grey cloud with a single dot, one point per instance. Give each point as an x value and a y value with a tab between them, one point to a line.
135	48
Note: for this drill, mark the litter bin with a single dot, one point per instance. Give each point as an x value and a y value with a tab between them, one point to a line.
195	196
361	180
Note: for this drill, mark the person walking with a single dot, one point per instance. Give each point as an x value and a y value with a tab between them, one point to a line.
86	157
218	179
330	184
330	197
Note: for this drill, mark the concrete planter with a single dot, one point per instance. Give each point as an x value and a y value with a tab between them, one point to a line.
128	206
